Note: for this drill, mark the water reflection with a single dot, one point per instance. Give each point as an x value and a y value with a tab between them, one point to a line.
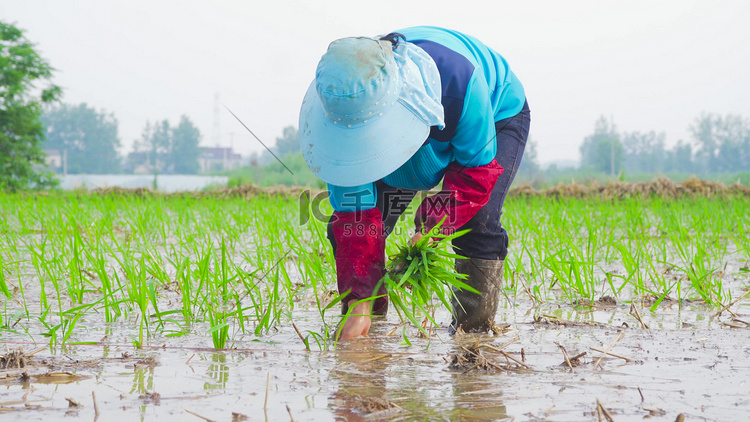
477	395
143	380
357	378
218	371
374	371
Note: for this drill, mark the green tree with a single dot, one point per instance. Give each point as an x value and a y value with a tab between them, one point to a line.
184	150
287	144
644	152
289	141
153	147
159	143
89	138
164	149
602	149
679	159
723	142
22	71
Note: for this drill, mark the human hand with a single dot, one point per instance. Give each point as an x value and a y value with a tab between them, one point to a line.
416	238
358	322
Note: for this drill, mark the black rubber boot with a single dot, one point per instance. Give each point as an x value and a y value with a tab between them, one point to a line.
472	312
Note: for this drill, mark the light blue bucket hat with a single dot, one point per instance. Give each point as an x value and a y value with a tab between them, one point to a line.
368	110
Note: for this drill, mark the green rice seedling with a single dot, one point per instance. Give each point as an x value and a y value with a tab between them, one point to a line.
59	300
184	280
694	264
75	265
3	282
137	288
739	226
661	286
323	340
97	260
536	254
216	300
269	313
66	326
158	277
249	285
69	323
201	271
239	314
156	259
51	332
572	274
41	266
9	321
265	290
632	263
217	297
518	269
587	259
419	272
293	242
315	264
219	328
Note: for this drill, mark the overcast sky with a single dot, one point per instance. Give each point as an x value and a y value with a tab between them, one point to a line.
650	65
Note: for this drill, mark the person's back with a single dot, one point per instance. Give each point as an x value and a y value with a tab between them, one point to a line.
387	117
506	91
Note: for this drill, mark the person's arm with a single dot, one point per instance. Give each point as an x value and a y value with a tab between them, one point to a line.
357	226
470	178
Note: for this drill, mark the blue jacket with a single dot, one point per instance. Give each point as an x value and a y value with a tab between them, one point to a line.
478	89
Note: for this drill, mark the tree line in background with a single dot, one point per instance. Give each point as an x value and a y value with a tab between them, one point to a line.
25	86
720	150
38	134
87	143
722	145
86	140
167	149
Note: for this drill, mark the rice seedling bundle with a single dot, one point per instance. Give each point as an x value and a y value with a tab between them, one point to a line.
422	271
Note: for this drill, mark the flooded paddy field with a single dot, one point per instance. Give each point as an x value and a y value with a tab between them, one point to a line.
687	365
196	308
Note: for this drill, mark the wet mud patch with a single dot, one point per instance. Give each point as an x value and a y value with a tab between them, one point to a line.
32	386
375	407
62	369
605	301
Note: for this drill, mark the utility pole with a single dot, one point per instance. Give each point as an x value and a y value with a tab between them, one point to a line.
216	132
231	146
612	145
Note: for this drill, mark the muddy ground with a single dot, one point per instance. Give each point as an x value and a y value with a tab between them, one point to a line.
685	363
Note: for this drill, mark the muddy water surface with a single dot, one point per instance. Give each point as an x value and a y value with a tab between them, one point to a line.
685	363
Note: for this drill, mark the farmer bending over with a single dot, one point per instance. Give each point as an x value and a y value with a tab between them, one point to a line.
385	118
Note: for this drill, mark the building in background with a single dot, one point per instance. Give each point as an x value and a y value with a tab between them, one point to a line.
141	162
55	160
218	159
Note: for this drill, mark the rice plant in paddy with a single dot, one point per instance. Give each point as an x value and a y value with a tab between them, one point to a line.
227	270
